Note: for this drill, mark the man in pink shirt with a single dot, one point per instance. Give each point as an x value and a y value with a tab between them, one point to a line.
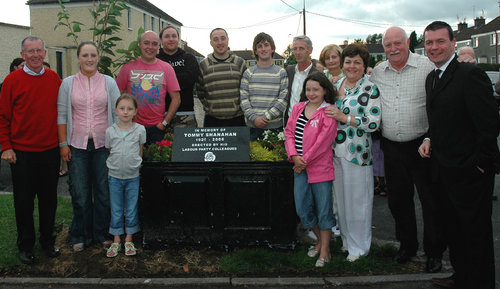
149	79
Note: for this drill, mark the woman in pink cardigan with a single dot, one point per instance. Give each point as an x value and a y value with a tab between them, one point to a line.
309	135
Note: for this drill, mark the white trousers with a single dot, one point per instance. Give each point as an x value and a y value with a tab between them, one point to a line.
353	187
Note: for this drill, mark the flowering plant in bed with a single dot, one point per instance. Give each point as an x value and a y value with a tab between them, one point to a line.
270	147
160	151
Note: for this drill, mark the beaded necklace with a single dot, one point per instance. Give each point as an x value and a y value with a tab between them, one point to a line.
353	89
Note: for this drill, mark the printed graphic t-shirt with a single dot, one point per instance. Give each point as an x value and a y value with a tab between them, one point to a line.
149	84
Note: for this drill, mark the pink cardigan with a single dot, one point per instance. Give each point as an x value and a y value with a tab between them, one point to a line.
319	133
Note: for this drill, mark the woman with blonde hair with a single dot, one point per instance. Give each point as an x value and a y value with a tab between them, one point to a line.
330	58
86	105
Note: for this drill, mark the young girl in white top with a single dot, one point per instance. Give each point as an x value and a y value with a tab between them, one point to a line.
125	141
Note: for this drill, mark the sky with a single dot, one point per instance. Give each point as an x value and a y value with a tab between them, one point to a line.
327	21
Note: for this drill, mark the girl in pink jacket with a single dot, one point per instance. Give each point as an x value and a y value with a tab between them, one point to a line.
309	135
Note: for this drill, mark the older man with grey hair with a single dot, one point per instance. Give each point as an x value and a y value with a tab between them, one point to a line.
467	50
28	136
401	81
302	49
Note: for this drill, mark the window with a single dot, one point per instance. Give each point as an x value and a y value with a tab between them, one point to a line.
59	64
475	42
252	62
152	23
129	19
493	59
493	39
145	21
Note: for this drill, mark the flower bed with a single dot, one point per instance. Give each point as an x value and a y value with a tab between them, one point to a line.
218	203
269	148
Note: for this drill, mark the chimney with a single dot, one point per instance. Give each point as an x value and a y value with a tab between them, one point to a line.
479	21
462	26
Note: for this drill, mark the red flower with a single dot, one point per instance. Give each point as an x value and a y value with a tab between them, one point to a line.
164	142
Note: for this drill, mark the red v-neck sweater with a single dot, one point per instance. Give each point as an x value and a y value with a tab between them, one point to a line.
28	111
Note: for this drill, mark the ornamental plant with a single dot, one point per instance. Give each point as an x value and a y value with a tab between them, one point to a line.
160	151
270	147
104	25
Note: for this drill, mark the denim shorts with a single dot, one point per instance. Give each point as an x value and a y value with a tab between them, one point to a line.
313	202
123	194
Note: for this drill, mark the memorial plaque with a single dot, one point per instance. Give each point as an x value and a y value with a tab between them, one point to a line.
211	144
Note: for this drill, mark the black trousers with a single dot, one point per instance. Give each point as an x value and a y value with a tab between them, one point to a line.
211	121
405	169
35	174
465	199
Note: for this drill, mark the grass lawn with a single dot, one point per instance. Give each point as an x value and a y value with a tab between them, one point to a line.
8	234
250	261
184	261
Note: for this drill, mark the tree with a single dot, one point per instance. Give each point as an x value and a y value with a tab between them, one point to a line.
368	38
420	38
289	56
413	41
374	38
372	61
105	23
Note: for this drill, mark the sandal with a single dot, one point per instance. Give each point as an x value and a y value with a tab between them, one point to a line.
322	261
113	250
312	252
78	247
130	249
106	245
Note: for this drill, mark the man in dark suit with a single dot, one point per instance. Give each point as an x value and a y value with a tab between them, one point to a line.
463	128
302	49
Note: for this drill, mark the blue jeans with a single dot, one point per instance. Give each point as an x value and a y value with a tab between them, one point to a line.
123	194
89	194
313	202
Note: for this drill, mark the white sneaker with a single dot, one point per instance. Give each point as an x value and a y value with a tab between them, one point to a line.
336	231
352	258
311	235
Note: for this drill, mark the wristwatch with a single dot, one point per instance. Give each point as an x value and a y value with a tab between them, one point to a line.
165	123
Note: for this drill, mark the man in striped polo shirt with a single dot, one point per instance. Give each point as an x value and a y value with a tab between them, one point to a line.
219	83
263	89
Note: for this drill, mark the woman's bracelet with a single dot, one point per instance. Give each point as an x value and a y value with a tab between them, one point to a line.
348	120
63	144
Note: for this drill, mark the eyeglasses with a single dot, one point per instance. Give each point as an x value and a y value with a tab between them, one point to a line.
153	43
33	51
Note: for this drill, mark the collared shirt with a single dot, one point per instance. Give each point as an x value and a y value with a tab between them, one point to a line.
444	66
403	96
31	72
89	103
298	81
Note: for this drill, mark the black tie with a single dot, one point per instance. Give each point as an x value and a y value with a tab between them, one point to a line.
436	77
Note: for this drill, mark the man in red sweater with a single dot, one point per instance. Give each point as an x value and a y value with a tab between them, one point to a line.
28	136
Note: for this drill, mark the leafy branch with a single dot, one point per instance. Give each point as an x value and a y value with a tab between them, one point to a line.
105	24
